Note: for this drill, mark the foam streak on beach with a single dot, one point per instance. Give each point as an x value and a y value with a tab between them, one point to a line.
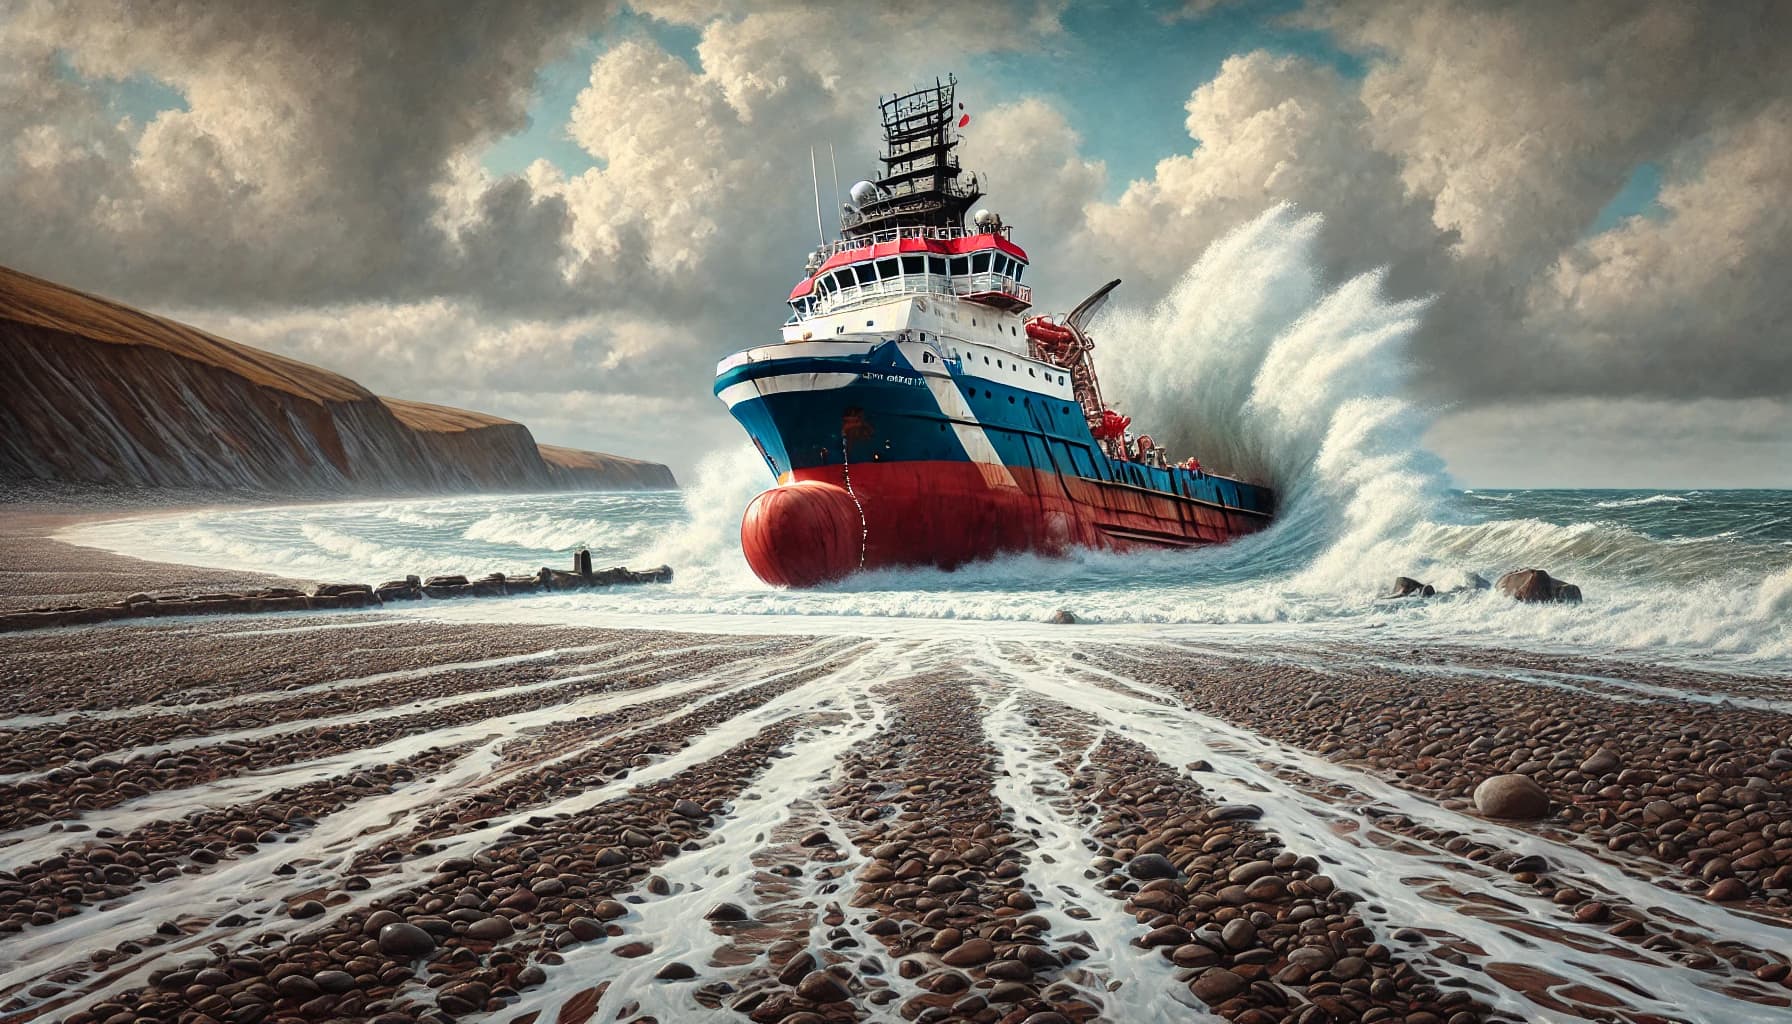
597	824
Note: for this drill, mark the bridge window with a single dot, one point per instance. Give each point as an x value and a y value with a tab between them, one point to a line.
1018	268
980	263
914	265
886	269
960	266
866	273
936	265
999	263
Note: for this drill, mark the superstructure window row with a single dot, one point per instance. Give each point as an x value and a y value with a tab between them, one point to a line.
911	272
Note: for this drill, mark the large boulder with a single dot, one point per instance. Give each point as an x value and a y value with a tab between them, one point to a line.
1511	796
1535	585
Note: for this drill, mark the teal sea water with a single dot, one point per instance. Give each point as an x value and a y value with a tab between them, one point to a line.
1674	575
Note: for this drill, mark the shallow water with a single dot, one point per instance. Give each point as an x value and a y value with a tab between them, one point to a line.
1674	576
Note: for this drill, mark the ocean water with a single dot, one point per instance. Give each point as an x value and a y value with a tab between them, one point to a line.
1253	363
1670	576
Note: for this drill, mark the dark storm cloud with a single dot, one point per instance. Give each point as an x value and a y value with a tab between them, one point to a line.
307	164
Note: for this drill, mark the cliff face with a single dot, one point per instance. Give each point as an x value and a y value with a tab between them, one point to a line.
94	392
577	469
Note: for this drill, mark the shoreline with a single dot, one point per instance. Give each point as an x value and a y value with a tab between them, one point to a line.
33	555
307	813
37	570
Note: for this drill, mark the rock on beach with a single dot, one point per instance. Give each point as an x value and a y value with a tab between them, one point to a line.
1511	796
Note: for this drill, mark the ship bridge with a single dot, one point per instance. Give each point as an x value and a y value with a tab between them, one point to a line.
974	265
904	238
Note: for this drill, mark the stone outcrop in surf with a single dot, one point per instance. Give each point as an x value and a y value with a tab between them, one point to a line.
99	393
337	595
1537	586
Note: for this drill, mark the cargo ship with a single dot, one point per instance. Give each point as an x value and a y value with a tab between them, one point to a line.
915	414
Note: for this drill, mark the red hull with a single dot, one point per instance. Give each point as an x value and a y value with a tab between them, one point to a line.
945	514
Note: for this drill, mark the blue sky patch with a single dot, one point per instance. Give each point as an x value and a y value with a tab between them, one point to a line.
1639	197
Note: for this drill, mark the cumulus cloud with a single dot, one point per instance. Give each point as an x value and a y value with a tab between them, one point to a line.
1471	159
1696	299
1521	121
302	167
321	190
1269	129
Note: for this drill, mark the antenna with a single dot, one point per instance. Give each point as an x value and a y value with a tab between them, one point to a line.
814	180
838	209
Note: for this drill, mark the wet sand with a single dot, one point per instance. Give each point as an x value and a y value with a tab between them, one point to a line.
37	571
374	817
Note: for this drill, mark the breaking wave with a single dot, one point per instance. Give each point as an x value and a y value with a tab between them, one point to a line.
548	532
1258	367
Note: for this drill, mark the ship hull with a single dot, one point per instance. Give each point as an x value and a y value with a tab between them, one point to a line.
892	455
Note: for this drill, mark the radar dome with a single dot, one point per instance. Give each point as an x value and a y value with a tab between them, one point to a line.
986	219
862	193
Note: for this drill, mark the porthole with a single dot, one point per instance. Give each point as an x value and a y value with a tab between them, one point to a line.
1030	372
1010	399
998	364
985	360
988	394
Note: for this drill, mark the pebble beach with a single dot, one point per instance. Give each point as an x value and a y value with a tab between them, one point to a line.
372	816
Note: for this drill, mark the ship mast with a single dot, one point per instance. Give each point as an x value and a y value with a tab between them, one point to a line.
922	186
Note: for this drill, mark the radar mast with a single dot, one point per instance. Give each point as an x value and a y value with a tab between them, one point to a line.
922	186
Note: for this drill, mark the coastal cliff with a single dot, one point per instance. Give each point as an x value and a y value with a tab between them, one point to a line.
98	393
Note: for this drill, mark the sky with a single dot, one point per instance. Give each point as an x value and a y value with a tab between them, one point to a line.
566	211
